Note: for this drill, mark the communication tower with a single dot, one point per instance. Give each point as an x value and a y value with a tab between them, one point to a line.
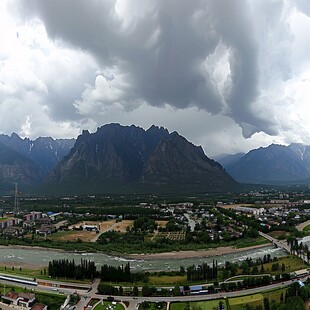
16	201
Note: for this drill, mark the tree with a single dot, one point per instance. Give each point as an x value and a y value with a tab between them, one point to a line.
106	289
262	269
146	291
266	303
295	303
182	270
275	267
255	270
120	291
221	305
245	267
176	291
283	267
293	290
305	293
135	291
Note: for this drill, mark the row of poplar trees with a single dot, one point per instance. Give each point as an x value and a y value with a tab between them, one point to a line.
64	268
202	272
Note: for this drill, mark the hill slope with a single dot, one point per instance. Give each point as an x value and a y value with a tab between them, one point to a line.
274	164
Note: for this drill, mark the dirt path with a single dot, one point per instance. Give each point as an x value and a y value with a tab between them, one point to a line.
301	226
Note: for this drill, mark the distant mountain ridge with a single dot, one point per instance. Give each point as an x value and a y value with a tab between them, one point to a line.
29	162
275	164
121	159
130	159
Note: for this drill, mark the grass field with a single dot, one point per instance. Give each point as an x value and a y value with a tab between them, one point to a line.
278	233
153	306
165	280
207	305
236	303
242	243
292	263
201	305
239	303
178	306
23	272
72	235
306	228
275	295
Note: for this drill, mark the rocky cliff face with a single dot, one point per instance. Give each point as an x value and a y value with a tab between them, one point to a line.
118	158
180	163
15	167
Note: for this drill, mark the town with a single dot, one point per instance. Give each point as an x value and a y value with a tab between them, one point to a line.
152	226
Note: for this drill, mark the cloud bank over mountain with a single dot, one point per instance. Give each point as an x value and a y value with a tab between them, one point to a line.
225	73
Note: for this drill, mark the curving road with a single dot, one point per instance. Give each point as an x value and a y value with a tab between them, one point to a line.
86	296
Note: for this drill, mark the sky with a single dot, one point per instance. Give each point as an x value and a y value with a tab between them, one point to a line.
227	75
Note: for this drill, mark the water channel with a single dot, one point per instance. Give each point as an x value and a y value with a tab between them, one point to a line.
19	257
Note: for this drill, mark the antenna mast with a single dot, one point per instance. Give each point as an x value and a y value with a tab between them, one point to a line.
16	202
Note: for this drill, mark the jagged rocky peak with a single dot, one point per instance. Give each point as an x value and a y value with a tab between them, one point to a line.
115	158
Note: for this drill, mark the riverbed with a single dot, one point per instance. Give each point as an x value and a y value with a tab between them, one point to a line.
23	257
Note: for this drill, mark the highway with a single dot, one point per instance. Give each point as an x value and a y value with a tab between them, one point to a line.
135	300
87	296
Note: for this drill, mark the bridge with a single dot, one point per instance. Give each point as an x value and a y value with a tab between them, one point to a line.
282	244
278	243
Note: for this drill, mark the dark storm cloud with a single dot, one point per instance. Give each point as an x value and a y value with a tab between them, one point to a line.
164	49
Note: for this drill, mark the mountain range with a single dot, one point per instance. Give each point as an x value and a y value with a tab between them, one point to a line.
114	159
129	159
121	159
275	164
28	162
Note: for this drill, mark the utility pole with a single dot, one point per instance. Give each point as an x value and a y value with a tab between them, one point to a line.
16	202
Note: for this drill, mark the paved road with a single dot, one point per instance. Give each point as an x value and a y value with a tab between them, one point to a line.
86	296
301	226
133	301
103	231
7	307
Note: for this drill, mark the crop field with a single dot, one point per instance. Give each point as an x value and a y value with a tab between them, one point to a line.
174	235
161	223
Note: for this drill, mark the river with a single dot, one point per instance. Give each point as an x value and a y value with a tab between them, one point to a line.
19	257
